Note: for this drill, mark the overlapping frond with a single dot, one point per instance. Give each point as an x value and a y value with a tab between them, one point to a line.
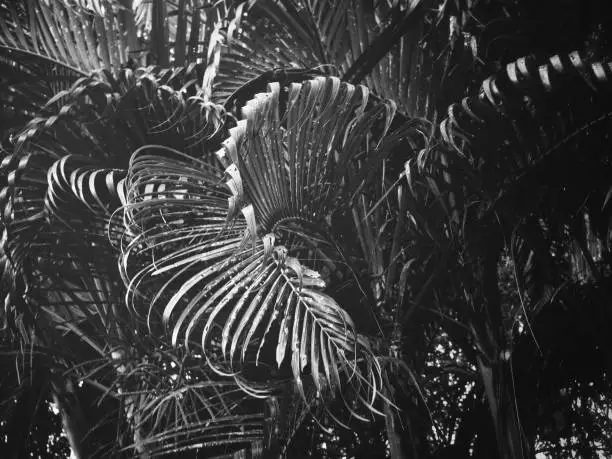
304	256
521	90
303	143
45	46
107	117
541	127
42	180
382	45
291	161
68	35
537	136
62	187
233	262
25	87
64	181
186	31
175	404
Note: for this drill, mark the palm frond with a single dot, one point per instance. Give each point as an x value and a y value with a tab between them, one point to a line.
176	404
62	186
26	86
80	39
149	104
381	46
217	252
543	128
185	31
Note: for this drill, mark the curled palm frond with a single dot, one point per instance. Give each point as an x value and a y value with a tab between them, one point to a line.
22	202
525	106
73	282
98	121
64	182
61	189
295	152
76	186
229	262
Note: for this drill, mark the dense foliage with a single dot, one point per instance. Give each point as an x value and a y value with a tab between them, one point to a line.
306	228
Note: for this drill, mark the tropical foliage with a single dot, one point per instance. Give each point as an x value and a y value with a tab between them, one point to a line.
307	228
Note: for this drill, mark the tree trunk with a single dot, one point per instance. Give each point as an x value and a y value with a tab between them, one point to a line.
393	433
73	419
85	420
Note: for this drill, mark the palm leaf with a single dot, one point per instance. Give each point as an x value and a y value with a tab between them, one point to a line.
80	39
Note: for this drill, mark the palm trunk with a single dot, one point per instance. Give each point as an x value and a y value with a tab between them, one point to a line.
393	434
85	419
494	367
73	419
133	413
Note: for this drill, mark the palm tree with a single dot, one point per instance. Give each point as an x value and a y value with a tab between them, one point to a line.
304	216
